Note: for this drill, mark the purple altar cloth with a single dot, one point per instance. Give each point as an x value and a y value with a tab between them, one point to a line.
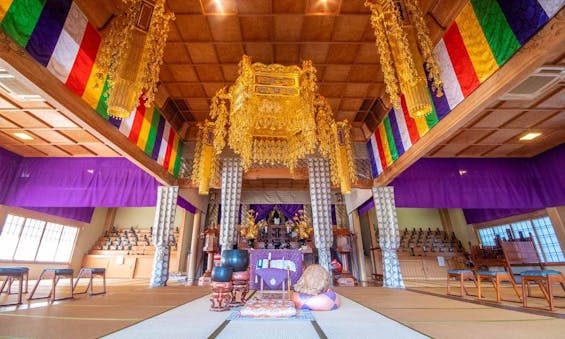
255	257
273	277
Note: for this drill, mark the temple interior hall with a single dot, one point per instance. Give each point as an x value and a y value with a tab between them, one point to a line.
282	168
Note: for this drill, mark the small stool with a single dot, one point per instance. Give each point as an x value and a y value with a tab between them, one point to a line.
55	274
240	282
90	273
495	277
545	280
221	296
12	273
460	275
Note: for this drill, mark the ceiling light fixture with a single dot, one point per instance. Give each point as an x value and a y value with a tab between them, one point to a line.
219	5
23	136
404	46
530	136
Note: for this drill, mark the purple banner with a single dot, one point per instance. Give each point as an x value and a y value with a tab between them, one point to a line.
366	206
475	216
9	163
81	182
183	203
73	187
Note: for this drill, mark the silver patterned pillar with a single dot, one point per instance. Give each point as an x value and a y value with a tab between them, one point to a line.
320	198
389	236
232	177
162	232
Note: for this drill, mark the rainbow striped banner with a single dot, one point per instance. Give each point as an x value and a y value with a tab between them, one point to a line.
483	37
58	35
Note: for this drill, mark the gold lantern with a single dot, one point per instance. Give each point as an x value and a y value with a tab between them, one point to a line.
273	114
404	45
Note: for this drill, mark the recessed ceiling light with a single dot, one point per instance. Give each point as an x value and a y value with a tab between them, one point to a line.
530	136
23	136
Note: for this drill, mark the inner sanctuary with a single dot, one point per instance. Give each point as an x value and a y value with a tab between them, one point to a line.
282	169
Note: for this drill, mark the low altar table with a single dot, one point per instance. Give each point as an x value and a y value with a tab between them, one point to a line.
271	263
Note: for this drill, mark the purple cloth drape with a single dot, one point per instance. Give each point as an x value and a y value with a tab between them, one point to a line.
474	216
263	210
73	187
83	214
183	203
81	182
366	206
9	163
511	183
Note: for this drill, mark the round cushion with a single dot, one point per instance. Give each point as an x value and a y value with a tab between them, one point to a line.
325	301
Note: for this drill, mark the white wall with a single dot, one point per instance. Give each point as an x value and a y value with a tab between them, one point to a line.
141	217
87	237
463	232
418	217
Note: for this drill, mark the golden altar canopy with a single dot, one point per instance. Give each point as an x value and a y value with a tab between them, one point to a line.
273	115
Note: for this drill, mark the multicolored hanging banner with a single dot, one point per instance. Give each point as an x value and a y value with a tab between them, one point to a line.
481	39
58	35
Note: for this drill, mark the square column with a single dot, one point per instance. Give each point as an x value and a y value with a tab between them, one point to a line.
320	197
389	236
232	178
163	226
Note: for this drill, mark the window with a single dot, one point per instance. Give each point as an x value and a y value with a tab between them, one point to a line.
28	239
540	229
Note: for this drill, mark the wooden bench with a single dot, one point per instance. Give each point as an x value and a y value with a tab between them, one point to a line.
11	273
90	273
524	253
55	274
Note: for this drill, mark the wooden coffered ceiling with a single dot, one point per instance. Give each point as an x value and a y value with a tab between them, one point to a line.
496	131
205	46
46	131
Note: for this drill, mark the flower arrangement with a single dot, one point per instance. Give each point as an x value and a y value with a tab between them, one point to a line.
302	225
250	230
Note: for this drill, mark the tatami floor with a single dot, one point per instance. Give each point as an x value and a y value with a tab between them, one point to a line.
423	307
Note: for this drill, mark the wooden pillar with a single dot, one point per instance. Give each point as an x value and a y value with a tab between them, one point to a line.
177	259
359	248
374	242
446	221
557	217
191	274
110	218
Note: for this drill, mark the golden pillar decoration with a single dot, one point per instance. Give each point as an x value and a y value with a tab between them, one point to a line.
206	157
132	53
404	45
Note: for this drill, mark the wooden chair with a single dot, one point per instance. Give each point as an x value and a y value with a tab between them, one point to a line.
525	253
11	273
90	273
461	276
55	274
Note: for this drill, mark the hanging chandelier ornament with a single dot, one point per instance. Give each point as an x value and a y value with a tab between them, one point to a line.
273	115
132	54
404	46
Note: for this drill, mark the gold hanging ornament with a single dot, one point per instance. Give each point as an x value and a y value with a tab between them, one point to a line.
403	42
273	114
132	54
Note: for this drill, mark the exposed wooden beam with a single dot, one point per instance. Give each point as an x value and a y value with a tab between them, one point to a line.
546	45
77	109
